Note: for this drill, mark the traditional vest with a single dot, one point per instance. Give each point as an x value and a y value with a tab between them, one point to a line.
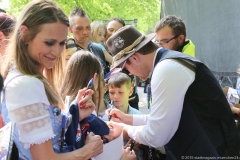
207	126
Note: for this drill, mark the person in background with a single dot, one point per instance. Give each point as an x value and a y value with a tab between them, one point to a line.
86	65
79	71
185	96
69	50
1	87
120	88
113	25
81	30
147	89
1	83
81	68
80	64
98	37
30	97
2	10
6	26
171	34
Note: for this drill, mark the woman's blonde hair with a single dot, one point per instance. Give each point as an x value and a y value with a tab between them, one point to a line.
80	69
95	26
35	14
59	67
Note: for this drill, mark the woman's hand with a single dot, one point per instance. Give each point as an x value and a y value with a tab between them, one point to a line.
94	143
128	155
85	103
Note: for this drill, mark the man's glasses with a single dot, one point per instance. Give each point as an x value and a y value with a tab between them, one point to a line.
162	42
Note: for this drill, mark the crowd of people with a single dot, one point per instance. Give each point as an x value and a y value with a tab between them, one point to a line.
59	91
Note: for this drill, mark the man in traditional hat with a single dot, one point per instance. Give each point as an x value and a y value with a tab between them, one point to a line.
190	115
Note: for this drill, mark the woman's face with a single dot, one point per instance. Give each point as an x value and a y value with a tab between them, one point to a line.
112	27
48	44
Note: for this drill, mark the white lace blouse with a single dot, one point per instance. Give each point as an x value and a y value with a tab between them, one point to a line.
28	105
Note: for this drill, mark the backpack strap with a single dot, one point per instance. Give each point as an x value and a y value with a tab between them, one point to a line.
186	63
190	65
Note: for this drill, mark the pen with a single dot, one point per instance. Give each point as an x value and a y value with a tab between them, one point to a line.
105	141
132	145
109	117
62	133
89	86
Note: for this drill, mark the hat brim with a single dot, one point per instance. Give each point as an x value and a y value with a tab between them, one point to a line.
147	38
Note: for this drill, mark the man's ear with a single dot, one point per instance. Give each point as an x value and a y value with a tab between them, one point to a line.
23	30
134	58
181	38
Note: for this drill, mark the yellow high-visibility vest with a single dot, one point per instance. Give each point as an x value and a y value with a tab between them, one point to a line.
189	48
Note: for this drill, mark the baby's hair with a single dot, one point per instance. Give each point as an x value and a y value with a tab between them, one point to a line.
119	79
95	26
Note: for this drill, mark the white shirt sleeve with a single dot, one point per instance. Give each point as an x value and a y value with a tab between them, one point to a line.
28	105
170	81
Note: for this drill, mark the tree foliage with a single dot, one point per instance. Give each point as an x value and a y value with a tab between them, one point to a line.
147	12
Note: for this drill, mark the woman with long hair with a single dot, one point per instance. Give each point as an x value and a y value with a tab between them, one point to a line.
30	95
79	71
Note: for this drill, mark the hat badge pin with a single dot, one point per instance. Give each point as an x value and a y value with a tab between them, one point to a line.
118	42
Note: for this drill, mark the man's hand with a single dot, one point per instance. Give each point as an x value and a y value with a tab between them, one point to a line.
128	155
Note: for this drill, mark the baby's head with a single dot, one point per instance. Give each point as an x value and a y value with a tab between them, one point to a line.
120	88
98	32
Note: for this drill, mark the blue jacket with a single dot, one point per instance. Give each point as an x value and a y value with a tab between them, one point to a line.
77	131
